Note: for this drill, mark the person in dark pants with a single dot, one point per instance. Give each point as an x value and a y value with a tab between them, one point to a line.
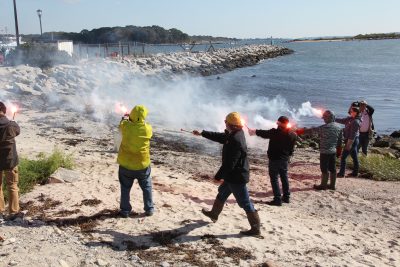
330	145
350	135
280	149
234	172
366	125
134	159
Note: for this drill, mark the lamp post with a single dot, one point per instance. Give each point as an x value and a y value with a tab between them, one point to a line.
39	13
16	23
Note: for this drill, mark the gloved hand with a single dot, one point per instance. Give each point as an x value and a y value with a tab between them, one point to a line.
251	131
196	132
300	131
339	151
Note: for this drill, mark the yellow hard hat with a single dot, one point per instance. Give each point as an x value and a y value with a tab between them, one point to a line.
233	118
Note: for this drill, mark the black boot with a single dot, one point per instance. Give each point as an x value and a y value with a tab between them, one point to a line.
255	224
324	182
215	211
332	184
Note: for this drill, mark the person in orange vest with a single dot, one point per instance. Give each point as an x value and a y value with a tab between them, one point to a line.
134	159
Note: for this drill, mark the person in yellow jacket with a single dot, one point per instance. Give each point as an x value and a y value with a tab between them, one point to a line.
134	159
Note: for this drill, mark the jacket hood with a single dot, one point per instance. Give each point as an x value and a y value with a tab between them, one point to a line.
138	113
4	120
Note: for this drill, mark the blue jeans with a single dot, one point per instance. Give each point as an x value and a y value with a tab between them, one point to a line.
354	155
363	144
279	168
240	193
126	178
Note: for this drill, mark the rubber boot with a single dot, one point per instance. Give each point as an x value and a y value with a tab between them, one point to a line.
324	182
215	211
255	224
332	184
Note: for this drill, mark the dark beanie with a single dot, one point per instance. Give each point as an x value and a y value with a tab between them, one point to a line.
283	119
3	107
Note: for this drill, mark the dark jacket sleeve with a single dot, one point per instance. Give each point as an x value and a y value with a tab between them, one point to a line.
214	136
342	121
371	110
232	156
14	129
264	133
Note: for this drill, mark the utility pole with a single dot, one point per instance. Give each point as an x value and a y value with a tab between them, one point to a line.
39	12
16	23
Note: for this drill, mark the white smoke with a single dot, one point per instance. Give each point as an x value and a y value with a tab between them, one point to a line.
173	103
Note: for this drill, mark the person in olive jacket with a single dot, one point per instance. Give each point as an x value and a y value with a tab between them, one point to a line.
8	162
234	172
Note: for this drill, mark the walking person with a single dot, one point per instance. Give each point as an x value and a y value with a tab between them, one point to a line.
366	125
330	146
350	135
134	159
8	163
280	149
234	172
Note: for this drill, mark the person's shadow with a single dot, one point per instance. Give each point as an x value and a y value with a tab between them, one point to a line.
121	241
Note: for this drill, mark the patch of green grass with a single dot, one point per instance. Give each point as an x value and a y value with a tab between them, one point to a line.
380	168
32	172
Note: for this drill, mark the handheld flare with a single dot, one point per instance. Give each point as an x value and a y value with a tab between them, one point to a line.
14	110
186	131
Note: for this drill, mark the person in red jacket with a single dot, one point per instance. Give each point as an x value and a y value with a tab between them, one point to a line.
8	163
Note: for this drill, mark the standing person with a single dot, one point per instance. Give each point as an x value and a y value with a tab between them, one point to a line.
134	159
350	135
9	163
330	145
366	126
234	172
280	149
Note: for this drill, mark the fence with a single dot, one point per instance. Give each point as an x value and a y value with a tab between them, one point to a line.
122	49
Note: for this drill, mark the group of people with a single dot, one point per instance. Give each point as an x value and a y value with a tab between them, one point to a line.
233	174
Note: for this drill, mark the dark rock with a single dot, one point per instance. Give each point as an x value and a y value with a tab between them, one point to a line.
382	143
395	134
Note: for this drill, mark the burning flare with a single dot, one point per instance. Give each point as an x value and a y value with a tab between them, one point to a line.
121	108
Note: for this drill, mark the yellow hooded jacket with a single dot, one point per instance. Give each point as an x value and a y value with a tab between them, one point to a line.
134	152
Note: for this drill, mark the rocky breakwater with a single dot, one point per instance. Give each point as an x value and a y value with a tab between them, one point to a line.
206	63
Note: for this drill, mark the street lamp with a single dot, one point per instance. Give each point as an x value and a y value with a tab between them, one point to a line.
39	13
16	23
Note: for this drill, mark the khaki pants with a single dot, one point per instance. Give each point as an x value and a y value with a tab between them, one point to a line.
12	187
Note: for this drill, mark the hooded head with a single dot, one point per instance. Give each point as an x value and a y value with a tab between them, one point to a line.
328	116
138	113
3	108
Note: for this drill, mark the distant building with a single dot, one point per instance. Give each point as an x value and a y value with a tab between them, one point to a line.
62	45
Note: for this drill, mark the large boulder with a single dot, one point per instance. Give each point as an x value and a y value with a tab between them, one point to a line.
395	134
63	175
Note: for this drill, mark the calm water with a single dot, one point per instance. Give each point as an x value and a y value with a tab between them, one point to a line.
329	75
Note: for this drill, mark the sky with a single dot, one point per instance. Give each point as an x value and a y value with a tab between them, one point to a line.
227	18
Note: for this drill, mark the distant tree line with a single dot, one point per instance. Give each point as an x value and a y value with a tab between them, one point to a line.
375	36
148	34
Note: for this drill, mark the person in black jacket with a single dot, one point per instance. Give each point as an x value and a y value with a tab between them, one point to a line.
280	149
234	172
8	162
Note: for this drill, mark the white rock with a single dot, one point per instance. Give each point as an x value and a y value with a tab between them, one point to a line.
164	264
63	263
9	241
101	262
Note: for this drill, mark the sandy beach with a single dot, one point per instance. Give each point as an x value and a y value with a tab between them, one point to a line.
76	224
